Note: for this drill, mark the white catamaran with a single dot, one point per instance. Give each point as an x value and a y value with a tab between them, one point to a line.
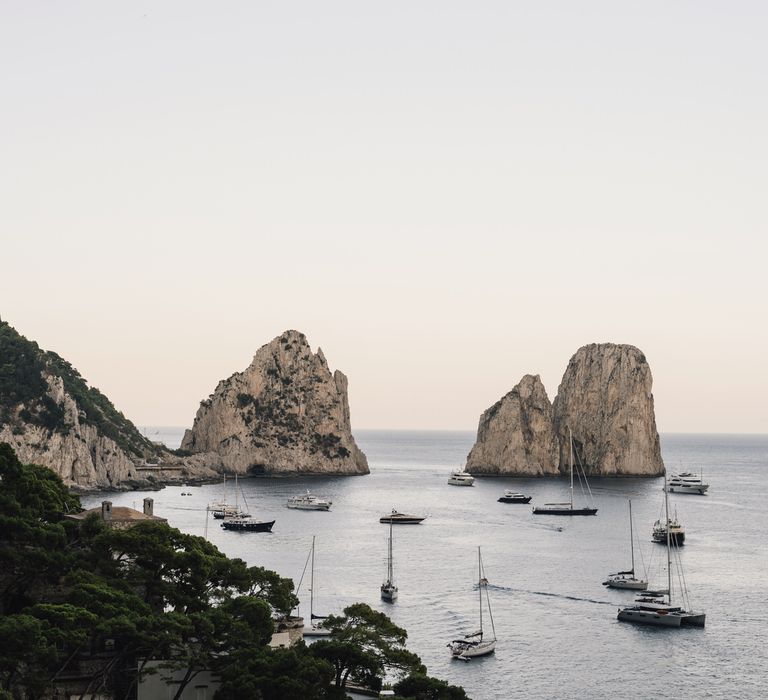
658	608
478	643
627	579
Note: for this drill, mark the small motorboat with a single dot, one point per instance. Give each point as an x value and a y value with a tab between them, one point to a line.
514	497
401	518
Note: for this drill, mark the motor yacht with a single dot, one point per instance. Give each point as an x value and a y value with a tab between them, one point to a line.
687	482
514	497
461	479
307	501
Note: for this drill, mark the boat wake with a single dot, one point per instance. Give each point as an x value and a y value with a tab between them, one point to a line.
548	594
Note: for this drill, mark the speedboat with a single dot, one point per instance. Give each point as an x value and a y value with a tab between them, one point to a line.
687	483
461	479
514	497
309	502
401	518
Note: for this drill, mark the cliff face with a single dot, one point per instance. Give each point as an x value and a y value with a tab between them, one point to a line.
285	414
516	434
51	417
605	399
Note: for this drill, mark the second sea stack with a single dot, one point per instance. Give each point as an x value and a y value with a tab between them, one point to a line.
605	400
285	414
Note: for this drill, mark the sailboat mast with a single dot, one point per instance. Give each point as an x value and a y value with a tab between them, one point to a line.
631	538
312	583
389	557
570	461
669	557
480	590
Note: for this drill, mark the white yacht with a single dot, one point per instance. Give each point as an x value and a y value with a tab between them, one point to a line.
687	483
461	478
309	502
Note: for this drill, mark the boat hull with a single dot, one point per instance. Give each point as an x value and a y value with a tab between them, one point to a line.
389	594
316	632
472	652
401	521
697	490
564	511
627	584
249	526
524	499
306	507
675	538
661	619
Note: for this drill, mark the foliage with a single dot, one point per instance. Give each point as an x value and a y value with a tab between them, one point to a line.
23	389
276	674
422	687
365	645
71	589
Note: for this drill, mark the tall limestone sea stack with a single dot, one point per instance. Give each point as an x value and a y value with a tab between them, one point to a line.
50	416
604	399
285	414
517	433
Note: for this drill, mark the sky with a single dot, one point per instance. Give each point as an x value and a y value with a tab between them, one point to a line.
443	195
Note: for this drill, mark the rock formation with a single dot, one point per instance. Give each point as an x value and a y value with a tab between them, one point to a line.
605	399
285	414
50	416
516	435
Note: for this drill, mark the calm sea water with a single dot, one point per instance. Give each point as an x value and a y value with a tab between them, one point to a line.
556	624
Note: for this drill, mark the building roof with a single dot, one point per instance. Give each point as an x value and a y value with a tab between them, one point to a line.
120	514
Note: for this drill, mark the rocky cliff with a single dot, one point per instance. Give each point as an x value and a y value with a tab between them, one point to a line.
285	414
50	416
605	399
516	434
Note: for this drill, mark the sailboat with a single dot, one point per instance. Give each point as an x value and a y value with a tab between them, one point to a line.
221	509
653	609
627	579
567	508
241	520
388	588
316	628
477	643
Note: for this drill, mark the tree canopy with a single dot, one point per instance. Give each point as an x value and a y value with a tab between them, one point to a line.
72	590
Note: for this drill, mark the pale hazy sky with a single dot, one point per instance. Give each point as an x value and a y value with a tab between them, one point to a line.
442	195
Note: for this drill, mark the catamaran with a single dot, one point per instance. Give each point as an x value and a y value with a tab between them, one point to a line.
388	588
567	508
627	579
654	609
478	643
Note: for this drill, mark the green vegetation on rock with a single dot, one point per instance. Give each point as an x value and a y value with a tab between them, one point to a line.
24	394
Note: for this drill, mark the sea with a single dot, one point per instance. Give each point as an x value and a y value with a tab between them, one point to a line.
555	622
